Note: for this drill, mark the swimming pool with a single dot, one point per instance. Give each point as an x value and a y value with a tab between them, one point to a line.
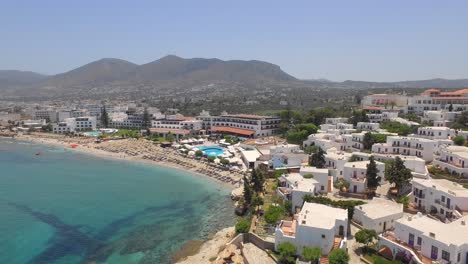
92	133
214	151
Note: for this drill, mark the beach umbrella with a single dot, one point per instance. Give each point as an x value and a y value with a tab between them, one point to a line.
217	160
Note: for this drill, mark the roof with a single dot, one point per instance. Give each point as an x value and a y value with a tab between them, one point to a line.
451	233
251	155
300	183
320	216
244	132
378	208
360	164
167	130
250	116
313	170
444	186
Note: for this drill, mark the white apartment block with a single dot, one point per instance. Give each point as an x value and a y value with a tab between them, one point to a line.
178	123
49	115
61	115
378	214
355	174
336	120
382	117
446	199
243	125
434	100
427	240
335	161
407	146
325	182
316	225
440	118
416	165
75	125
384	100
454	159
368	126
5	116
293	187
126	120
435	133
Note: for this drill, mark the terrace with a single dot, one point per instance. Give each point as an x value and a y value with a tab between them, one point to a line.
288	227
415	251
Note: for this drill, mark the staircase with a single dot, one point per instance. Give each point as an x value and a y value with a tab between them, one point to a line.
336	243
324	260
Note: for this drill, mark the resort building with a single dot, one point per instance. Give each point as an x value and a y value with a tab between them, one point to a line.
407	146
368	126
178	122
293	187
336	120
63	114
129	120
381	117
316	225
242	125
421	239
445	199
75	124
436	133
355	174
434	100
453	159
416	165
389	101
378	214
335	161
250	156
325	182
440	118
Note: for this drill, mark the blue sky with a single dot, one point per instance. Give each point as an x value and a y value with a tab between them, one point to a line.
338	40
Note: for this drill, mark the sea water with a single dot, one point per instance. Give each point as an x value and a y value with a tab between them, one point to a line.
62	206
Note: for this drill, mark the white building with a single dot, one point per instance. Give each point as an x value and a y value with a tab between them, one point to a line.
316	225
242	125
434	100
336	120
378	214
381	117
355	174
75	125
335	161
416	165
325	182
446	199
427	240
369	126
384	100
407	146
435	133
179	122
440	118
454	159
293	187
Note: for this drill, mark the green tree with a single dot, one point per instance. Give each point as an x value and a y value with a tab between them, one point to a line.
287	251
366	236
258	180
450	108
367	141
273	214
318	159
338	256
308	176
248	192
311	254
397	173
459	140
47	128
242	226
224	161
256	202
372	178
104	117
359	116
170	137
198	153
211	159
146	118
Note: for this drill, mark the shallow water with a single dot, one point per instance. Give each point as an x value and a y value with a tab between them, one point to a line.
67	207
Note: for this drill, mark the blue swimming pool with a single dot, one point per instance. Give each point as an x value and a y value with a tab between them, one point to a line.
214	151
92	133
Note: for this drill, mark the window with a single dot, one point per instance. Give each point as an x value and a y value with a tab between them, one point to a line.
419	242
458	257
323	236
445	255
434	252
442	198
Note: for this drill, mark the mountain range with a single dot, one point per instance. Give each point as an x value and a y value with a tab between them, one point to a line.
111	75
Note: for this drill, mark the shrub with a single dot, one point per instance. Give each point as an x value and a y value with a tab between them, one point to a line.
311	254
338	256
308	176
242	226
287	251
459	140
273	214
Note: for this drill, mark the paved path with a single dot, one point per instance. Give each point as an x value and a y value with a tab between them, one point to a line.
253	254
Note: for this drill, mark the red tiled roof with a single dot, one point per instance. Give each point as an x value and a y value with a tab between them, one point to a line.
234	130
167	130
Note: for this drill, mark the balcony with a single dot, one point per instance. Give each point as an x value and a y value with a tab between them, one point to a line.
288	228
390	237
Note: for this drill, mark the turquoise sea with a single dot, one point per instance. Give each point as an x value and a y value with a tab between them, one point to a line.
68	207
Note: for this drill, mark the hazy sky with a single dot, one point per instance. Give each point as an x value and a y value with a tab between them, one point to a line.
372	40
